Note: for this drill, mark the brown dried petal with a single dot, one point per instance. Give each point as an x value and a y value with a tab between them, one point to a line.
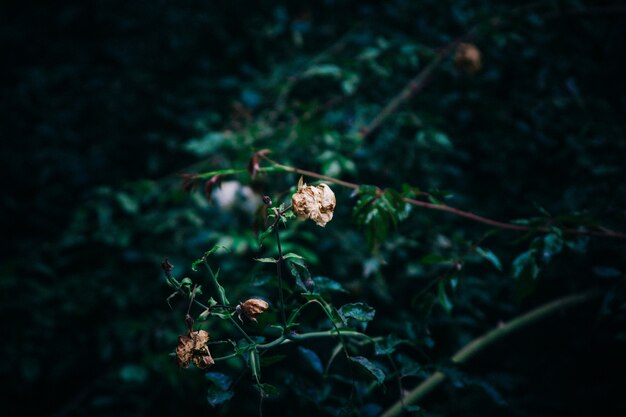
203	359
315	203
200	339
193	347
253	308
467	58
183	351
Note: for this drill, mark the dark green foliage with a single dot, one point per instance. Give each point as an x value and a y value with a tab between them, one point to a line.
105	103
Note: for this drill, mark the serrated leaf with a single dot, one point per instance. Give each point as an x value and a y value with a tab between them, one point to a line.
357	311
490	256
370	368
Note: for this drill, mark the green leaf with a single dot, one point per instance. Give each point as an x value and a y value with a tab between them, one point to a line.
387	345
324	284
221	380
311	358
490	256
219	392
376	211
217	396
525	266
194	264
214	249
292	255
264	234
371	369
357	311
323	70
432	259
443	297
525	272
220	290
267	391
128	203
266	260
552	245
606	272
300	273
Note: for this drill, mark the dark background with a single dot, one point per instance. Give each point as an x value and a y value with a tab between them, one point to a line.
103	102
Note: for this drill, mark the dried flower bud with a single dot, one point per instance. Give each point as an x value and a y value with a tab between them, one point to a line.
167	267
467	58
193	348
252	308
215	180
315	203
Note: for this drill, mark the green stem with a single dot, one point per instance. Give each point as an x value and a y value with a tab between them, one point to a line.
283	340
485	341
210	174
279	262
224	301
223	358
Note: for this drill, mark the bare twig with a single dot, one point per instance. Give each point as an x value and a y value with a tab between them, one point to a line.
602	232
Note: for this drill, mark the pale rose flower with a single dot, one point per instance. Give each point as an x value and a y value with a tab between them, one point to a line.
315	203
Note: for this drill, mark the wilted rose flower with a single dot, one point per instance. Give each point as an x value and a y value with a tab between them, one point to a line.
193	348
252	308
467	58
315	203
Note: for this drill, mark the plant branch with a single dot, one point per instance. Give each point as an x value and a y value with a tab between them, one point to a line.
603	232
224	300
486	340
279	272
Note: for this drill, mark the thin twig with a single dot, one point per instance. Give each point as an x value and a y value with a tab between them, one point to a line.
604	232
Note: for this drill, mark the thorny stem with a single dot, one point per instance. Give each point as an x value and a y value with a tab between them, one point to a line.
486	340
603	232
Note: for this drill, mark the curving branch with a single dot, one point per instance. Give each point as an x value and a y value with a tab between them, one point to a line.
486	340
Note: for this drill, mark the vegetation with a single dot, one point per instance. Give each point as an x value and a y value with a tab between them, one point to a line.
322	208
